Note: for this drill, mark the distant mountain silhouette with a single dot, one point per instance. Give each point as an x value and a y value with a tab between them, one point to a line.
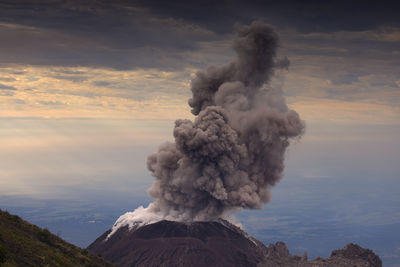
219	243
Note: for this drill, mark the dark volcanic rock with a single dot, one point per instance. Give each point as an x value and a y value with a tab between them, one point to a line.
350	256
355	252
167	243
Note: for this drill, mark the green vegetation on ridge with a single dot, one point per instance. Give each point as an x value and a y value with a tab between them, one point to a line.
24	244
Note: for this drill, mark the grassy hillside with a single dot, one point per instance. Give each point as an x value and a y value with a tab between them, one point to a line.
24	244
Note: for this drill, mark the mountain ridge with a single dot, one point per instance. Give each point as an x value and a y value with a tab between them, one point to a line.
25	244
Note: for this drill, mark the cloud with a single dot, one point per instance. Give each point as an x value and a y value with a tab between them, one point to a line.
101	83
120	94
73	78
152	34
304	16
7	87
320	110
6	93
384	34
346	78
153	93
50	103
350	70
6	79
43	46
19	101
101	34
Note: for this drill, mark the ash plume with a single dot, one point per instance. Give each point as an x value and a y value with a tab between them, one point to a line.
233	152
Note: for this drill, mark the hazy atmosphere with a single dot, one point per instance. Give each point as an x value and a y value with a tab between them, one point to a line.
90	89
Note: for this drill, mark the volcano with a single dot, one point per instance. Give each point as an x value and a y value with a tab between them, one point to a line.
217	243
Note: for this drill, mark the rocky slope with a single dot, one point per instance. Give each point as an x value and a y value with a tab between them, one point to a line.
220	243
24	244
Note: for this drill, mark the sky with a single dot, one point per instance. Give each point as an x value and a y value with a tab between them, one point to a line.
89	88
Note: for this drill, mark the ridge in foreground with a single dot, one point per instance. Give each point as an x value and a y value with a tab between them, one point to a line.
25	244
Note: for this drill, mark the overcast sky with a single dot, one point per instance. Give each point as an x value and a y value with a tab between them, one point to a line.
89	88
136	58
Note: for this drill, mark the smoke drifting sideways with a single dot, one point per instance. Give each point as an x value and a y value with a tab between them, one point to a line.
233	152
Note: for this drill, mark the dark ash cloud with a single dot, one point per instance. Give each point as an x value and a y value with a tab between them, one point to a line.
233	152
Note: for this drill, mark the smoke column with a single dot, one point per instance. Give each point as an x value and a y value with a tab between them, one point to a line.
233	152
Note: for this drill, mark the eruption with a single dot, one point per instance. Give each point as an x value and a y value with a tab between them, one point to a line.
233	152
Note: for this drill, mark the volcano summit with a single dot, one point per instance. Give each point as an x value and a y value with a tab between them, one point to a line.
227	159
218	243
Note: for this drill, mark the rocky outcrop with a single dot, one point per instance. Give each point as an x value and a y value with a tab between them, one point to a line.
351	255
220	243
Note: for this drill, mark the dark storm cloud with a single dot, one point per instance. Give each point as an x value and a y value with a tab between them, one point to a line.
93	33
147	34
305	16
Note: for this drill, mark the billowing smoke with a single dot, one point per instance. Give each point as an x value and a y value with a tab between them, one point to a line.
233	152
